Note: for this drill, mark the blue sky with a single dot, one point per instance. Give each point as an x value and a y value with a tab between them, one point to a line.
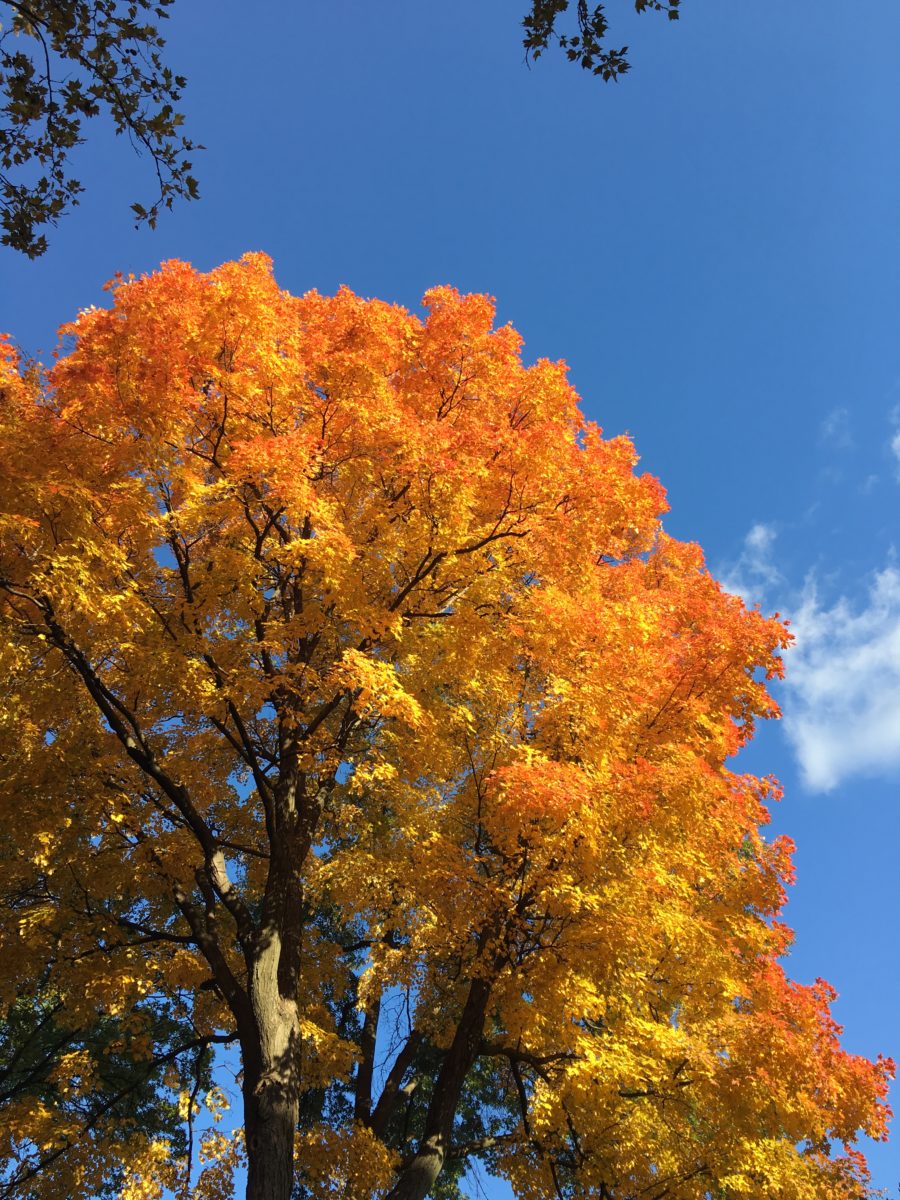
713	245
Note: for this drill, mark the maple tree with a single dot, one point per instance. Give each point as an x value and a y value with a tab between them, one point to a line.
357	711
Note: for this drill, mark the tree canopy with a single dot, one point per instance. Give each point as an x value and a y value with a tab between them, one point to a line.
62	63
357	708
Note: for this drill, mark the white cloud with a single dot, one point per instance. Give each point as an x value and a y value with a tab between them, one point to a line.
842	689
841	695
754	571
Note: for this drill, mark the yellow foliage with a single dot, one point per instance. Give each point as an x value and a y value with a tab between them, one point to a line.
357	707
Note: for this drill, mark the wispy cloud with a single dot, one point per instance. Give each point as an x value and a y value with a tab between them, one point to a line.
753	573
894	443
868	485
835	429
895	450
842	692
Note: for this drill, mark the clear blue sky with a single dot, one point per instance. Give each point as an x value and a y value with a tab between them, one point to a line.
713	245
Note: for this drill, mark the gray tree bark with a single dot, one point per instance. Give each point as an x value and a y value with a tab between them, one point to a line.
271	1079
420	1175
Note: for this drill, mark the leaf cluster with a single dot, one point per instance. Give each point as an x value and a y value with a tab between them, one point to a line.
586	44
62	64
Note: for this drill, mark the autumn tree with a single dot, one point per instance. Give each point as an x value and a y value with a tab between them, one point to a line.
356	708
63	63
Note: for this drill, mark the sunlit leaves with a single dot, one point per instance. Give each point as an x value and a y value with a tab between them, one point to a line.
342	652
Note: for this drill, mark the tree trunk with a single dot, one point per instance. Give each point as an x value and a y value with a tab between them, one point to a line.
271	1081
270	1119
420	1175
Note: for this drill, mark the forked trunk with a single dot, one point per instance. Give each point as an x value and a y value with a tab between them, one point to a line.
421	1173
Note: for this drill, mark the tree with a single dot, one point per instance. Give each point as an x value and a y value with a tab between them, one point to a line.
356	707
586	43
63	62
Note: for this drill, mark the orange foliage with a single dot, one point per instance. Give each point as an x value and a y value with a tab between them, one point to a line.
347	663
